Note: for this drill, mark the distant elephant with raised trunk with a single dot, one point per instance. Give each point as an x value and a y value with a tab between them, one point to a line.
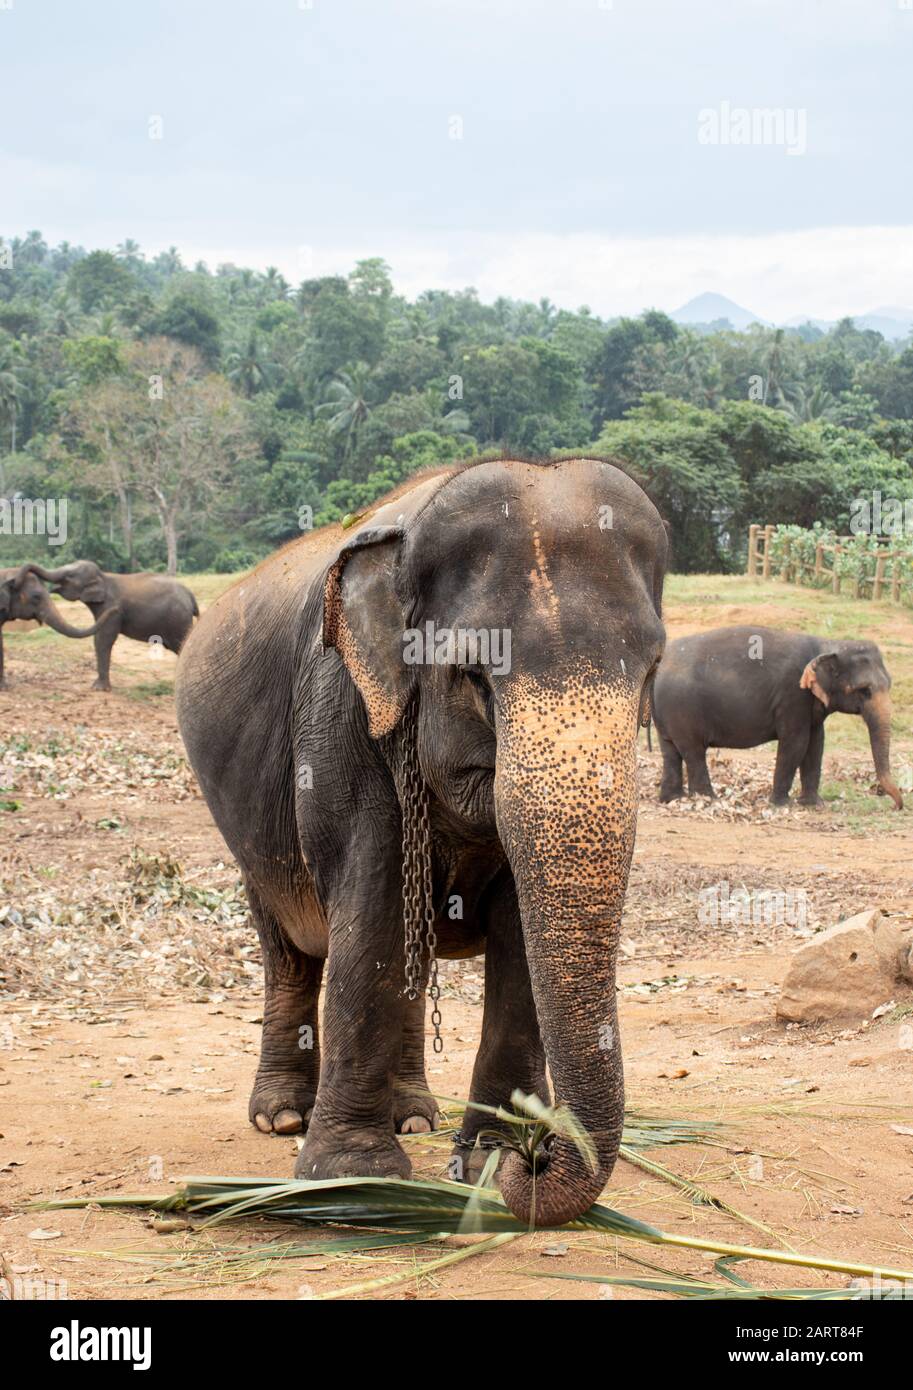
738	687
141	606
23	596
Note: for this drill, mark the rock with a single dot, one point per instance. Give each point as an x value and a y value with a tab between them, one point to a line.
849	969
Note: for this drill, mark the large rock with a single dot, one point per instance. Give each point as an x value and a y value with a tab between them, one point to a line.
848	970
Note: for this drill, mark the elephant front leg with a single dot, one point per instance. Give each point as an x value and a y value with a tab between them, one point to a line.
285	1086
3	685
351	1130
810	769
510	1056
104	640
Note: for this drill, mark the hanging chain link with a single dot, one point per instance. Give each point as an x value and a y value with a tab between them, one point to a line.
418	896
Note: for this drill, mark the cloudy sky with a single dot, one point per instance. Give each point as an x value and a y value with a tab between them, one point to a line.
586	150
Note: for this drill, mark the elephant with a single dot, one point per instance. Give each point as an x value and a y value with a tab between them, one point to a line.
22	595
141	606
417	738
738	687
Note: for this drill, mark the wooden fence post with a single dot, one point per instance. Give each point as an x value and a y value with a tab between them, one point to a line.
752	551
878	582
768	535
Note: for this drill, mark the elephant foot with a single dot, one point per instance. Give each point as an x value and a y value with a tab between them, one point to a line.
102	685
779	801
466	1163
812	799
414	1109
667	794
281	1104
351	1154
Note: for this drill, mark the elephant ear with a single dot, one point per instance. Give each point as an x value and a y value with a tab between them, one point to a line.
6	599
95	591
818	676
363	621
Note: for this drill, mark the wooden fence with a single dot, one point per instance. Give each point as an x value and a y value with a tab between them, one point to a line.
793	570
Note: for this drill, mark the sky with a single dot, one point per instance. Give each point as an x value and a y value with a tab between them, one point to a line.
588	151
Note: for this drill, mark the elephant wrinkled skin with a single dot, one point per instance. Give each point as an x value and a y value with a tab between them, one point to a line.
294	702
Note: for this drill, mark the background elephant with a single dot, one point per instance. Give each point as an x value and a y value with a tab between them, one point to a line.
316	745
137	605
22	595
737	687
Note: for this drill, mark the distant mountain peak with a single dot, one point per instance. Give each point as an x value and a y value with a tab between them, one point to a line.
708	308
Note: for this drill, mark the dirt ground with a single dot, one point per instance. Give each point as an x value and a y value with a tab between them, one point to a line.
130	1001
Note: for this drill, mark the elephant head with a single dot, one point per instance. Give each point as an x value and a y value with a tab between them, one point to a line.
81	581
22	595
851	678
521	607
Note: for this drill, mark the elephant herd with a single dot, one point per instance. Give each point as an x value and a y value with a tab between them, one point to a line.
146	607
390	810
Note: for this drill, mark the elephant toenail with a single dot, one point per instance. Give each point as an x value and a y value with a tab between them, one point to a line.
287	1122
416	1124
263	1123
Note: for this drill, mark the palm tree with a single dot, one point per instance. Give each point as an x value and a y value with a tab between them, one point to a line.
804	405
350	398
775	391
169	262
32	251
247	369
275	285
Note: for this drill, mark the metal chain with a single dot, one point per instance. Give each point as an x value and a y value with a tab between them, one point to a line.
418	893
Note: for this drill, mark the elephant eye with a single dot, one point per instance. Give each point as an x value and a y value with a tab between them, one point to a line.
865	691
477	678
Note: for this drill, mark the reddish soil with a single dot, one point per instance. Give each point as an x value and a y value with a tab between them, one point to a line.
121	1071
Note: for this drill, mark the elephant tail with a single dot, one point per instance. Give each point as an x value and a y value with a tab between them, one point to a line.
193	599
649	739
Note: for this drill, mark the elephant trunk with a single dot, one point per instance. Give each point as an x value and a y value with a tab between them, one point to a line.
49	576
877	715
49	613
565	797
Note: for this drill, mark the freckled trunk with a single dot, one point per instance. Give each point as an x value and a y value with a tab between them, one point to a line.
565	793
877	715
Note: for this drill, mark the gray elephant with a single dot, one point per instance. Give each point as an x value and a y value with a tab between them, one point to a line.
420	735
738	687
23	596
141	606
